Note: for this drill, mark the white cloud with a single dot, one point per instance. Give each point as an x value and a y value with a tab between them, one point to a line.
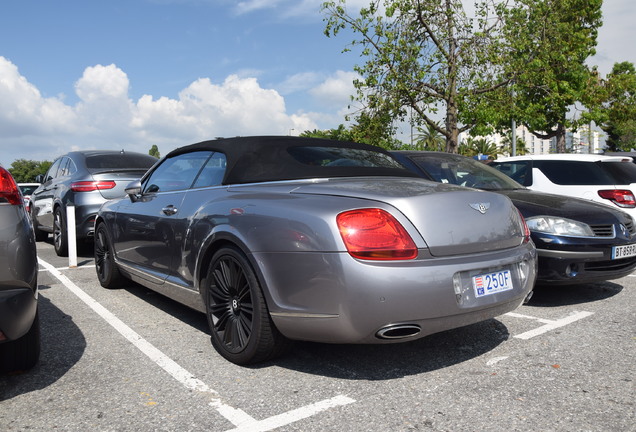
336	90
299	82
40	128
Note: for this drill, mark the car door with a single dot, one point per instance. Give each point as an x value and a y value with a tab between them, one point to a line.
145	237
42	198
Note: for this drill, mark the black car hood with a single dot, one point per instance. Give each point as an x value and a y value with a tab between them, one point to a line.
531	203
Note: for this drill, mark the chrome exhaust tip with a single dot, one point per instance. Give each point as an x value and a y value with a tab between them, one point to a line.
398	331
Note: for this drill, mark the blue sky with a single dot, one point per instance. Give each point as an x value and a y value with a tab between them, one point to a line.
80	74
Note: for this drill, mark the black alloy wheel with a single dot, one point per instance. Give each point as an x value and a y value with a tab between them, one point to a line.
241	328
107	271
60	235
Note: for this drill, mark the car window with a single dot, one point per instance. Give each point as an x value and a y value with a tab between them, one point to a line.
176	173
213	172
464	171
52	172
27	190
622	172
335	156
64	169
518	171
120	160
574	173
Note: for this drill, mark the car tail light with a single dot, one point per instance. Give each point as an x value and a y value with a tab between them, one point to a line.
9	191
374	234
89	186
621	197
524	227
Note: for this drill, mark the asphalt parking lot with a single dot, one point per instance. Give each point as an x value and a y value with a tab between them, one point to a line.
130	359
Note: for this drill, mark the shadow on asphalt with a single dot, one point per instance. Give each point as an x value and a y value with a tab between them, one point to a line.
62	346
555	296
386	362
361	362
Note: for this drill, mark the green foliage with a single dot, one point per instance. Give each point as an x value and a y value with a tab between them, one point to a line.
422	56
520	145
428	138
479	146
154	151
367	131
25	171
549	42
619	107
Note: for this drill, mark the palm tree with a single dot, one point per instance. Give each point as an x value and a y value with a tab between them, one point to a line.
429	139
479	146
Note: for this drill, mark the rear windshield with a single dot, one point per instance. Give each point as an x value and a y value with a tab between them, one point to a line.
622	172
117	161
464	172
335	156
576	172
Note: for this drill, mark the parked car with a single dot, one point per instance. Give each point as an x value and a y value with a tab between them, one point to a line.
287	238
27	189
609	180
19	323
578	241
84	179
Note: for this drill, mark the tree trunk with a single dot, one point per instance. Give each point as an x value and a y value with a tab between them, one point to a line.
560	138
451	127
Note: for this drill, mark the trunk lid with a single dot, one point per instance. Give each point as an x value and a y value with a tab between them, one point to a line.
452	220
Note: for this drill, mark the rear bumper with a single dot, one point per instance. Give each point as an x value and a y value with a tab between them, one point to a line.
18	308
334	298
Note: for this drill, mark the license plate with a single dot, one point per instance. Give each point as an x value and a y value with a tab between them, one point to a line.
492	283
626	251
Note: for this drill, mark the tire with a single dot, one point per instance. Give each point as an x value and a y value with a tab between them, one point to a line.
60	233
22	354
107	271
242	330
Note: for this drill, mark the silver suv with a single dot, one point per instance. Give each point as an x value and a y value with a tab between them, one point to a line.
85	179
19	324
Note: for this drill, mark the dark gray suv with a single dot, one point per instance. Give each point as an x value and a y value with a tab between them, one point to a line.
84	179
19	324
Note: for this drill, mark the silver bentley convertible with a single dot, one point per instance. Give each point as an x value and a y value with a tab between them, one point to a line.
285	238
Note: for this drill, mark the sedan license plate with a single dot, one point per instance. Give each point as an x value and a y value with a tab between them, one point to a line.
625	251
492	283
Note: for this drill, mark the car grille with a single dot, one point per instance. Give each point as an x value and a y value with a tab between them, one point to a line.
609	230
603	230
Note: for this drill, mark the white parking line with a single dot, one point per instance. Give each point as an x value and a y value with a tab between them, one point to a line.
237	417
548	324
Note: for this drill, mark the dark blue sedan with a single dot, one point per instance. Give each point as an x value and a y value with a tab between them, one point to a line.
577	241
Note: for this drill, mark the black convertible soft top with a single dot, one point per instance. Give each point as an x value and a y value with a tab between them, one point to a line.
272	158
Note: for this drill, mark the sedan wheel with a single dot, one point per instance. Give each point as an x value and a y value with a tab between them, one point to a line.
107	270
60	239
241	328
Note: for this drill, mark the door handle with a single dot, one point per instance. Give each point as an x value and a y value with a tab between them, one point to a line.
169	210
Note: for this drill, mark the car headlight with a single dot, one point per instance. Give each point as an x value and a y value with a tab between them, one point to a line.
559	226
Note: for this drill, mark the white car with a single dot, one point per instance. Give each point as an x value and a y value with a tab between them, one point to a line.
609	180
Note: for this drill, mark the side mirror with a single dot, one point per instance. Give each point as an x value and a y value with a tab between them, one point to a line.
134	190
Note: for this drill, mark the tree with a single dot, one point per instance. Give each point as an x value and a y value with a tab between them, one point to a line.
423	55
479	146
25	171
547	59
520	145
619	107
154	151
429	139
